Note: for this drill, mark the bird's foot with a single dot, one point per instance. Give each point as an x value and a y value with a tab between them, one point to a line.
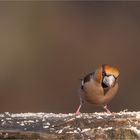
77	113
107	110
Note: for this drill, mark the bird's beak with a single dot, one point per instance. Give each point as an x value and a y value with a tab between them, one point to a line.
111	81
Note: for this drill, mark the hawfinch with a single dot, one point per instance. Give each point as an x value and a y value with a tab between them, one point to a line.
99	87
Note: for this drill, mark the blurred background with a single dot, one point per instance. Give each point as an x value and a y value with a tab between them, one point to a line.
46	47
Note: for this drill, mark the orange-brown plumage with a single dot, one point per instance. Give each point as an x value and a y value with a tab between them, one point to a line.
99	87
98	74
111	70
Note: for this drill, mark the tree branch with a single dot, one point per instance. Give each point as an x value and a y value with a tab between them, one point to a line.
122	125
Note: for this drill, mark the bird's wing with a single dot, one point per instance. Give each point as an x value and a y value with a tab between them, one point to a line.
87	78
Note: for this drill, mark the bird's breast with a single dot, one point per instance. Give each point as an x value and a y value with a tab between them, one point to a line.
93	92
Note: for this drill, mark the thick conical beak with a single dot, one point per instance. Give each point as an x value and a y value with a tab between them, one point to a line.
109	80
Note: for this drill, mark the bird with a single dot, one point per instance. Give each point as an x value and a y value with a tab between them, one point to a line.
99	87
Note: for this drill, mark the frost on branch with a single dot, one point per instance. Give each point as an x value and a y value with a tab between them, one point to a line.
122	125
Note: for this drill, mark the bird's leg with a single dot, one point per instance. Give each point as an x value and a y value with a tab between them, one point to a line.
78	110
81	102
107	110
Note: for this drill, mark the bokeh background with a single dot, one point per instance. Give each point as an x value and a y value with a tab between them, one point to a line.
46	47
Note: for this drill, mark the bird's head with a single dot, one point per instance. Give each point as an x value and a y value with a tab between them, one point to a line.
110	75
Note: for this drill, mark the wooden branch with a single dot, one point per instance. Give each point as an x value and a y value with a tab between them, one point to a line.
48	126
